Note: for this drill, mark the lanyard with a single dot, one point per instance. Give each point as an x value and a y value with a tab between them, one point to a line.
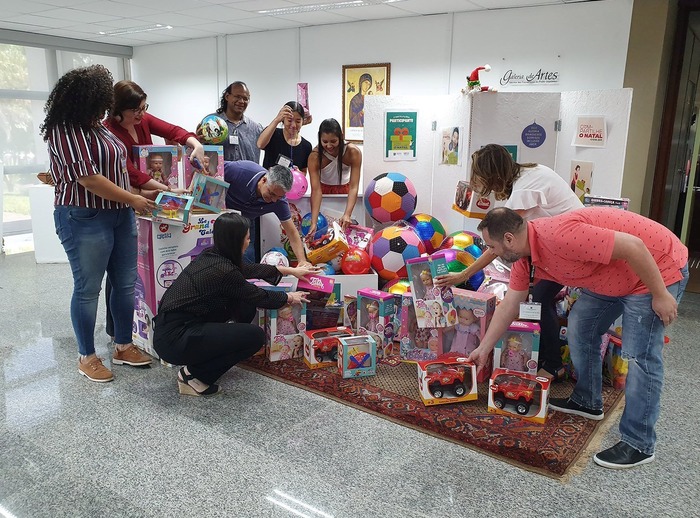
532	280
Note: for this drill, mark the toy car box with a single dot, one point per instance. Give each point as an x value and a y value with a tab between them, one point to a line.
434	306
213	166
173	208
416	344
209	193
357	356
327	247
474	313
519	394
518	349
160	163
375	311
447	379
321	346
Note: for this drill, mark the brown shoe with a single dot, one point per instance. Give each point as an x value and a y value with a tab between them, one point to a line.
131	356
93	370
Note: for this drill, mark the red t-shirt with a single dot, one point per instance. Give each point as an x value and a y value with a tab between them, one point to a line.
575	249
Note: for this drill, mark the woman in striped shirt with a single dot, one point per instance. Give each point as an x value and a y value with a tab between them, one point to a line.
94	211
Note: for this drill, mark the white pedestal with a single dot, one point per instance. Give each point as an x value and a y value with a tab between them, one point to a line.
47	247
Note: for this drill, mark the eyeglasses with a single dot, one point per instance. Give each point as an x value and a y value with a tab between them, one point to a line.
240	98
139	110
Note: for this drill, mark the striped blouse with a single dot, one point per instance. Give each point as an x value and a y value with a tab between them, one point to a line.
75	153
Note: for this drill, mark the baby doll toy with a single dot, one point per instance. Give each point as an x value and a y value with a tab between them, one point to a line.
514	357
466	337
427	280
286	324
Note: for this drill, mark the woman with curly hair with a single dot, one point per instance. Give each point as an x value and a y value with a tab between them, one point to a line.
94	211
533	191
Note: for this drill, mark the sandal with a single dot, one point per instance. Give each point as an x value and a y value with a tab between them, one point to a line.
184	387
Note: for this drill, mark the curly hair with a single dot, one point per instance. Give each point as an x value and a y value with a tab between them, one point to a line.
81	97
495	171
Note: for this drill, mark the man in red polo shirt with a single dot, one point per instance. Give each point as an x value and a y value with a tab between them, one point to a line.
627	265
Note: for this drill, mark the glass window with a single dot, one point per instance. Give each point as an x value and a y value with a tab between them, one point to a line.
70	60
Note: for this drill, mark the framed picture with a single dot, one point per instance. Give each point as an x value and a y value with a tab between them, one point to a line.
358	81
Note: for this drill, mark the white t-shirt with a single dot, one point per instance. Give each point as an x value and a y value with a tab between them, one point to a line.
540	192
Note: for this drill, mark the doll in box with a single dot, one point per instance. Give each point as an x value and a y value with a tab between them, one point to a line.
466	336
514	357
427	279
286	324
155	168
372	316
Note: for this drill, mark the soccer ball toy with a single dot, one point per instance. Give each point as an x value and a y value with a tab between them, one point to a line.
391	247
321	223
429	229
390	197
355	262
459	260
397	286
465	241
212	130
274	258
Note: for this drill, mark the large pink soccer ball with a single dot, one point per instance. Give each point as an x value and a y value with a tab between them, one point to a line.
390	197
391	247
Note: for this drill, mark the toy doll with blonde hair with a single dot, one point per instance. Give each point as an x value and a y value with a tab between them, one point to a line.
514	357
372	316
286	323
466	337
427	280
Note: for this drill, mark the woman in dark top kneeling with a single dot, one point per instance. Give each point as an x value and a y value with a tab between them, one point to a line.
204	317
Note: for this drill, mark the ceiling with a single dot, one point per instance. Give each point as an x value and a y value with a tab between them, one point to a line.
84	19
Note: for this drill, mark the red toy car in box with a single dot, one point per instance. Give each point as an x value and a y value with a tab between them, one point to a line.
325	343
446	378
520	392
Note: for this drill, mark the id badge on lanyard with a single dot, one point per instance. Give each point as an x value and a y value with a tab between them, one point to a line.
530	310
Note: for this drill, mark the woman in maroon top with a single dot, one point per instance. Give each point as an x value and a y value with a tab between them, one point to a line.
129	121
134	126
94	211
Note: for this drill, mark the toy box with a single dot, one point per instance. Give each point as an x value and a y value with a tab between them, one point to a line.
470	204
496	279
474	313
321	283
350	312
615	367
213	163
357	356
209	193
327	247
173	208
285	328
518	393
321	346
160	163
434	306
375	311
416	344
163	252
358	236
606	201
261	314
447	379
518	349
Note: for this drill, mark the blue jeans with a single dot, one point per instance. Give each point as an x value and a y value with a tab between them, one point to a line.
98	241
642	344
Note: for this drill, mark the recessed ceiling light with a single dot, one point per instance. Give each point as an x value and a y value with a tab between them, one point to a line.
325	7
134	30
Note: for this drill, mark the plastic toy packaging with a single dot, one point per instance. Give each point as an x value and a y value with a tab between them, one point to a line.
434	306
447	379
213	164
518	349
359	236
321	346
160	162
173	208
327	247
357	356
416	344
375	311
209	193
518	393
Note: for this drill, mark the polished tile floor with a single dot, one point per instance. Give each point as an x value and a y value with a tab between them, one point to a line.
133	447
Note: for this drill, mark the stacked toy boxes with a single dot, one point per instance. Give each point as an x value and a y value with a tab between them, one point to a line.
328	246
321	346
213	164
173	208
448	379
416	344
285	328
357	356
163	252
350	312
474	313
160	162
375	310
434	306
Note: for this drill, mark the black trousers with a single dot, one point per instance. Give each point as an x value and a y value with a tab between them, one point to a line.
545	292
208	349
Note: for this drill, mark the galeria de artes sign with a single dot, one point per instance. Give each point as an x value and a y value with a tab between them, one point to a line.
539	77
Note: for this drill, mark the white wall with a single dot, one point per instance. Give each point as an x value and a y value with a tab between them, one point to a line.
585	42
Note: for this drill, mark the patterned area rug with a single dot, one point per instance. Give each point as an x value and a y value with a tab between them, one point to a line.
550	449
